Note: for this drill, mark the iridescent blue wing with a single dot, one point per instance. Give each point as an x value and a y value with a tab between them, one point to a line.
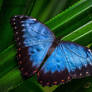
67	61
33	41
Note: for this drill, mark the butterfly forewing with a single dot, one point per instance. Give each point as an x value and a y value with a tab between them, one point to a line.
33	40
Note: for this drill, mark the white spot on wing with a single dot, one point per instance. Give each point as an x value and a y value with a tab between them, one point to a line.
23	30
19	43
89	50
13	19
85	65
17	38
16	32
22	25
87	73
15	16
33	19
22	21
80	74
15	27
90	63
14	23
79	67
21	17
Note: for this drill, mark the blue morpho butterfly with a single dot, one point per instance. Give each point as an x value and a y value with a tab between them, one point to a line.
39	52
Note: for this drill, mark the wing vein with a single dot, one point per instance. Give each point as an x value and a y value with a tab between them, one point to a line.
65	55
74	52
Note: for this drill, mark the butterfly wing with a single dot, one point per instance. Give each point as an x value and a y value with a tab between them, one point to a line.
67	61
33	41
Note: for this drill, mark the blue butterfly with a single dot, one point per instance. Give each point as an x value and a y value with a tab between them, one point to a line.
39	52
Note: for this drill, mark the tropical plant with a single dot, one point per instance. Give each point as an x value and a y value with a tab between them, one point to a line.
69	19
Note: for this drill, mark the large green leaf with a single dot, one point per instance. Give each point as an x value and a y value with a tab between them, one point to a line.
13	78
7	58
72	18
82	35
74	24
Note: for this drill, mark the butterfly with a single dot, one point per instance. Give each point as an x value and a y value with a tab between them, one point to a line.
39	52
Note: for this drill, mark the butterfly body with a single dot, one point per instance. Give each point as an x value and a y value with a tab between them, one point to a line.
53	60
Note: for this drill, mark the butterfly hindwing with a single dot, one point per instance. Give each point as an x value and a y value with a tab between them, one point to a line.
79	58
33	41
67	61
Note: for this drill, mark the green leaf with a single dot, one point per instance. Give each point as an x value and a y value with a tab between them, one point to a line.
7	58
74	24
72	18
10	80
82	35
30	85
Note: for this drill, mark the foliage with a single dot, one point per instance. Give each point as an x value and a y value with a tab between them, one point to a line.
68	19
